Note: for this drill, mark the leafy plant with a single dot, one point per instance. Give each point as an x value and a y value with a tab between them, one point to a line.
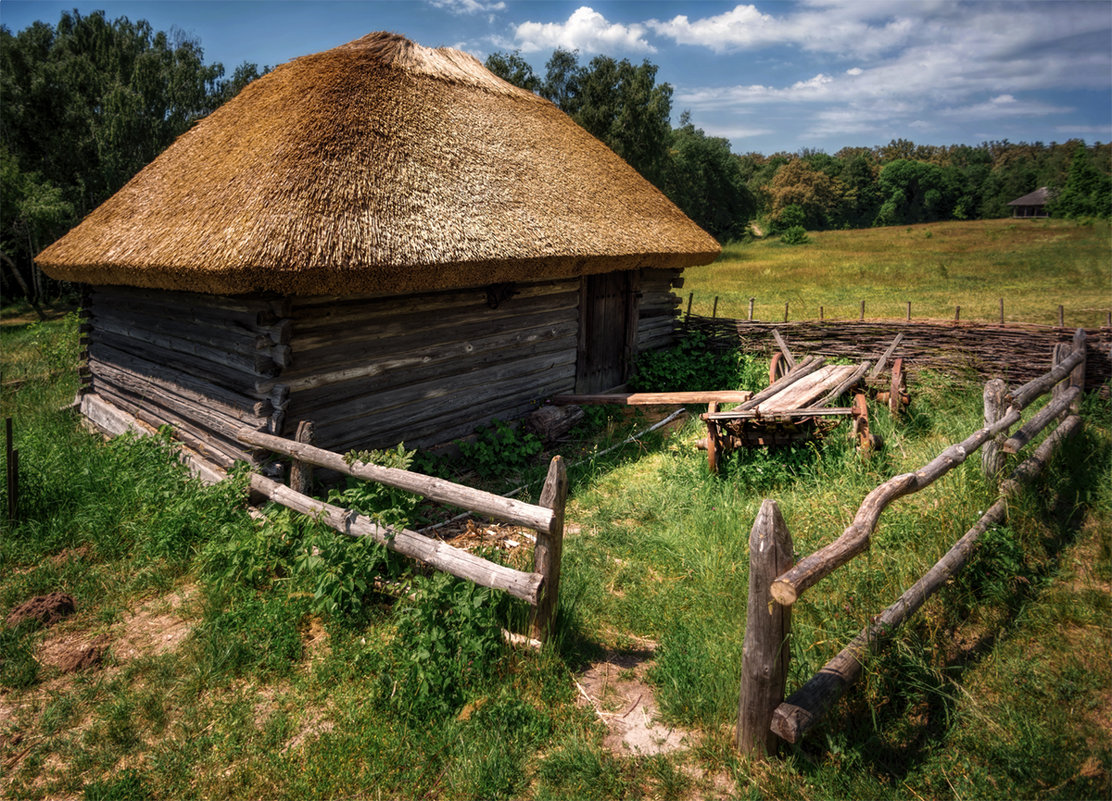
691	366
449	641
795	235
499	449
387	505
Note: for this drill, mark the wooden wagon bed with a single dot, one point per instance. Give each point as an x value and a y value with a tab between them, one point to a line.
795	406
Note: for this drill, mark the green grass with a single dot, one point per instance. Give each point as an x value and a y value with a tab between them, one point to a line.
1034	265
1000	687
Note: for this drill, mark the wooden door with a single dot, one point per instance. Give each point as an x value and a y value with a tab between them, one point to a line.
608	308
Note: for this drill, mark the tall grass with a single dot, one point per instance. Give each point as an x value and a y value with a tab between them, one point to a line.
1034	265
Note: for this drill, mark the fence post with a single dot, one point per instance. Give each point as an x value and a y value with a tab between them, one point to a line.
548	551
764	666
862	311
301	473
992	459
1077	377
1061	316
751	302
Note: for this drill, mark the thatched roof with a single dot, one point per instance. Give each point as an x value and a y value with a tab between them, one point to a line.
379	165
1039	197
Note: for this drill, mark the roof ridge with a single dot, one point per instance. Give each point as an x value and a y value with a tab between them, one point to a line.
444	63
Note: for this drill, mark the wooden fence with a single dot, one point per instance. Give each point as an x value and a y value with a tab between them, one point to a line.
539	588
775	583
1013	351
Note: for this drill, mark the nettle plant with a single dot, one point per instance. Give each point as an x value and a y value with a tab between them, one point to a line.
499	449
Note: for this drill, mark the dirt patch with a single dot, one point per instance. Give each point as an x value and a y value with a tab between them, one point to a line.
47	609
315	640
315	725
156	627
615	688
72	651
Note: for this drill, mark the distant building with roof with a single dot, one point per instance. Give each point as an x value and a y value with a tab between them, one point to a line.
1033	204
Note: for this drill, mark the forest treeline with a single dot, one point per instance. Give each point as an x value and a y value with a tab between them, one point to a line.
89	102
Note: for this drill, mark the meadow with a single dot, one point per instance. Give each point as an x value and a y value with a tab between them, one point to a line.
1034	265
238	656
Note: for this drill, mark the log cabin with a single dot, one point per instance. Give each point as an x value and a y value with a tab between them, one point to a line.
384	239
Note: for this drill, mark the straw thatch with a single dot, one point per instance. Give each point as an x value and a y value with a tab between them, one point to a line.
378	166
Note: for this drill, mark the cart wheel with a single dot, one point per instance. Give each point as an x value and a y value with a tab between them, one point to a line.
777	368
895	395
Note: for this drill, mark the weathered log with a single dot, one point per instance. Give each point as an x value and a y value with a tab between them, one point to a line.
437	489
992	459
212	415
549	423
780	343
810	703
656	398
1077	377
803	368
852	380
437	554
112	421
786	414
856	537
886	356
427	360
1052	411
765	654
259	363
1022	397
134	374
548	551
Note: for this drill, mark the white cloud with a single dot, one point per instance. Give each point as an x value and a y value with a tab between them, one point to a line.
585	30
468	6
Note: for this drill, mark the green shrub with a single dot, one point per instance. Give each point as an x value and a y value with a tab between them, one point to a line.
499	450
692	366
795	235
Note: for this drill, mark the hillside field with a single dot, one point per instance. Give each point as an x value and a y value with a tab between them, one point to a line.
1034	265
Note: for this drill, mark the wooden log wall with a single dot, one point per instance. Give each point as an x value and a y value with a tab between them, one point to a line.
205	364
427	368
369	371
657	325
1015	352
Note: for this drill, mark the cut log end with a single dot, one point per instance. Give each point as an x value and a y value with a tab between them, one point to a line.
783	592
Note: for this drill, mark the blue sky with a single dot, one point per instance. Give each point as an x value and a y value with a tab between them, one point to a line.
769	76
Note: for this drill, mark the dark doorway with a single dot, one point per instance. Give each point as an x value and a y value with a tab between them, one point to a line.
608	308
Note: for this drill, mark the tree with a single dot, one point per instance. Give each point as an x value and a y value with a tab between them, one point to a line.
705	180
813	192
1087	192
513	68
87	104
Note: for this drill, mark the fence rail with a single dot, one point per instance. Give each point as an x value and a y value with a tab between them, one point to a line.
539	588
761	705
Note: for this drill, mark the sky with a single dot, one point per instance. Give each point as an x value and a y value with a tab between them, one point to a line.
768	76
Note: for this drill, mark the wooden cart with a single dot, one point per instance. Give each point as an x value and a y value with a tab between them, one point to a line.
795	405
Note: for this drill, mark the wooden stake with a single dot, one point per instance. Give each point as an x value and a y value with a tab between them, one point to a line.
751	302
785	311
690	298
821	310
301	473
1001	311
862	311
992	460
1061	316
549	549
11	460
1077	377
714	309
957	314
765	655
909	311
